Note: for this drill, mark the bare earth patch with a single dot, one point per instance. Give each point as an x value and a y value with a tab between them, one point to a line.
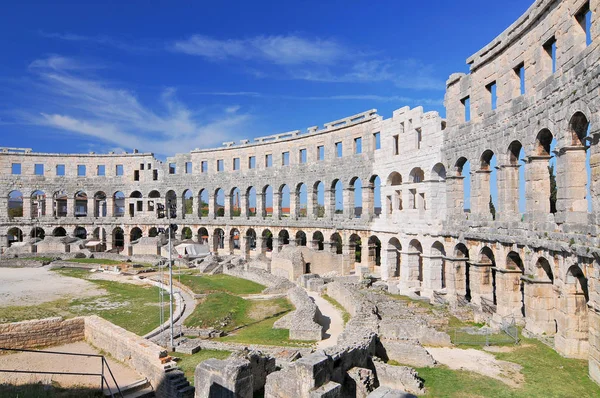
263	309
32	286
479	362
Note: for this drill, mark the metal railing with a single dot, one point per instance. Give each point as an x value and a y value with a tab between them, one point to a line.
102	374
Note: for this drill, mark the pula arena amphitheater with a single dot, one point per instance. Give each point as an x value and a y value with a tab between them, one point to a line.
529	101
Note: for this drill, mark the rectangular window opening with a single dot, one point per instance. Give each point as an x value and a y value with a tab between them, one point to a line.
419	137
550	49
396	147
81	170
101	170
39	170
136	175
302	156
520	72
491	88
269	160
320	152
16	168
252	162
467	107
358	145
119	170
172	168
204	166
60	169
338	149
584	18
236	163
220	165
377	141
155	175
188	167
141	166
285	159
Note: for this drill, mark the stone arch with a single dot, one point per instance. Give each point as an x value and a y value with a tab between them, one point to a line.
462	272
268	202
203	205
318	240
318	199
355	247
203	235
59	231
513	180
136	203
235	203
394	179
219	202
578	127
542	167
337	195
543	270
438	172
336	242
186	233
118	204
374	251
300	238
284	237
251	241
38	232
416	261
100	204
118	239
417	175
514	262
14	235
355	197
251	202
153	232
283	201
267	237
394	258
81	204
135	234
374	195
438	265
234	239
38	204
218	239
487	281
187	198
301	200
15	204
80	232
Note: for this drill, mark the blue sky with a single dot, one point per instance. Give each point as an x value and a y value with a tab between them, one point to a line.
170	77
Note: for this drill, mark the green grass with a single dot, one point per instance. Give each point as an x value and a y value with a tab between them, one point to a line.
221	283
137	309
94	261
546	374
43	259
345	314
188	363
263	333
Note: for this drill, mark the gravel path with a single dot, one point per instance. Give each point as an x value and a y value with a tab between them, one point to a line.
331	320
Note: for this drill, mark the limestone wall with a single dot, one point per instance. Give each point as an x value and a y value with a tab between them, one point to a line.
302	321
41	333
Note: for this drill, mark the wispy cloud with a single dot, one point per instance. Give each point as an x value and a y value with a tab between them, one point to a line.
346	97
281	50
91	107
103	40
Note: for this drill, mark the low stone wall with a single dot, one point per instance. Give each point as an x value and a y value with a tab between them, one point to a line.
273	283
41	332
345	296
18	263
301	322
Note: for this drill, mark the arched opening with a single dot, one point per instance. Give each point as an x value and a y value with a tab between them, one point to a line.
416	196
337	193
268	201
186	233
38	204
15	204
100	209
375	195
417	175
203	236
234	239
251	202
188	203
356	246
118	239
119	204
463	169
319	199
394	179
59	204
300	238
543	170
540	299
99	234
543	270
438	264
415	250
136	203
284	201
487	196
336	243
81	204
488	279
284	237
218	239
578	193
153	233
374	251
394	258
302	200
203	203
514	262
59	232
236	203
462	276
513	180
251	239
38	233
438	173
153	200
14	235
318	240
171	204
135	234
80	233
267	236
356	197
572	317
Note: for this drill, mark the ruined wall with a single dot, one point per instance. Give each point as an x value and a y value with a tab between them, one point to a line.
41	333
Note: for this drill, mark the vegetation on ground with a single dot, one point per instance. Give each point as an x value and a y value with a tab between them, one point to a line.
227	312
262	333
98	261
188	363
201	284
133	307
345	314
546	373
43	391
42	259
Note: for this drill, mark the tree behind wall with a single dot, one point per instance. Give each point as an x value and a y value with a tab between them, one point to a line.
553	189
492	208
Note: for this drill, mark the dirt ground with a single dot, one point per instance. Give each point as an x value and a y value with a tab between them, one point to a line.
59	363
479	362
33	286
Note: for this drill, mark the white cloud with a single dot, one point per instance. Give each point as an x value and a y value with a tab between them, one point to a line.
102	40
100	109
281	50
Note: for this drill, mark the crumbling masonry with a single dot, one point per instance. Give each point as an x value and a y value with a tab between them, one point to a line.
529	101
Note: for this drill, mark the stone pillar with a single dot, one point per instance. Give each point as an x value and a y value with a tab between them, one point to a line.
349	258
27	207
245	247
228	243
432	274
368	203
228	207
244	206
180	207
50	206
332	246
480	281
571	178
410	272
212	205
348	196
537	187
539	306
314	244
455	198
508	193
311	204
261	245
70	207
480	195
390	265
329	203
275	245
260	205
215	243
594	339
110	206
572	320
456	274
277	205
509	297
294	205
91	207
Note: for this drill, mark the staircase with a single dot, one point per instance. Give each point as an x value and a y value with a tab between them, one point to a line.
138	389
177	385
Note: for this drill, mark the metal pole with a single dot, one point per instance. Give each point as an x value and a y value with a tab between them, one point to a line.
170	275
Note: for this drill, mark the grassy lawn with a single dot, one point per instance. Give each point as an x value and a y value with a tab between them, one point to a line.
220	283
94	261
43	259
263	333
228	312
188	363
345	314
546	373
133	307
